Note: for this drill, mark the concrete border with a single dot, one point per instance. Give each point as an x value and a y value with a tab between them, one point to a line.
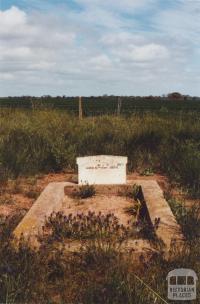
168	229
49	200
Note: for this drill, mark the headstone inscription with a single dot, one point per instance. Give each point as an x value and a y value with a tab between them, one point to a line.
102	170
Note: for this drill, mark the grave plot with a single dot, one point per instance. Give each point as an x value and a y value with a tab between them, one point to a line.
103	214
135	213
76	214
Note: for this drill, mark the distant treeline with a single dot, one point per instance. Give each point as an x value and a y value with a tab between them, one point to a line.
106	104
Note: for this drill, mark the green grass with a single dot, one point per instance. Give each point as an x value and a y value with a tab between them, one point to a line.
33	142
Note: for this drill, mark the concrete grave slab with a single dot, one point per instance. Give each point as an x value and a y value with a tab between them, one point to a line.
102	169
56	197
50	200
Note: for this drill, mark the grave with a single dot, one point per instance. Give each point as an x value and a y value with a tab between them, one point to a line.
108	175
102	170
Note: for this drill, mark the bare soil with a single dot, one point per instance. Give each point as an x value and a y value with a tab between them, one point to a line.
19	195
101	203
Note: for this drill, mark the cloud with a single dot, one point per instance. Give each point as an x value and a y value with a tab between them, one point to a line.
16	53
28	39
145	53
181	22
100	62
6	76
11	18
14	23
113	47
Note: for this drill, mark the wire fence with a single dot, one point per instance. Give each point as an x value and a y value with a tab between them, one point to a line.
103	106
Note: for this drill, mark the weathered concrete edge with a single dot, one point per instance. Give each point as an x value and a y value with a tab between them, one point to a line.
49	200
168	229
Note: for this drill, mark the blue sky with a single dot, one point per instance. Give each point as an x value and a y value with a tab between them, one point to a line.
95	47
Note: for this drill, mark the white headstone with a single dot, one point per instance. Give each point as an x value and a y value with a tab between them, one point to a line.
102	169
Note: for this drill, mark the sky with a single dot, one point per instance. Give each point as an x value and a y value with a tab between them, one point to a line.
97	47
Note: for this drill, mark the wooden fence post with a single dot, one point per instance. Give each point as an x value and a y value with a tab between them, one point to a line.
80	108
119	105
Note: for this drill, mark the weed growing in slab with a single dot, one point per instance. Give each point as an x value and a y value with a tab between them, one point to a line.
84	191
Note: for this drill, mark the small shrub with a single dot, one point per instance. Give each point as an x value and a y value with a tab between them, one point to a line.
8	224
4	175
84	226
147	172
133	192
16	186
187	217
33	193
84	191
134	210
145	229
181	161
32	180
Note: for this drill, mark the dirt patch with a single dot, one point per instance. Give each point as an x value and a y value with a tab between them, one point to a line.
43	181
101	203
20	194
162	180
117	190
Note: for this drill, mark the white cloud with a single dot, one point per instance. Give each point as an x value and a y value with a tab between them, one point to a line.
122	38
181	22
98	50
27	38
15	53
11	18
100	62
14	23
6	76
144	53
149	52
